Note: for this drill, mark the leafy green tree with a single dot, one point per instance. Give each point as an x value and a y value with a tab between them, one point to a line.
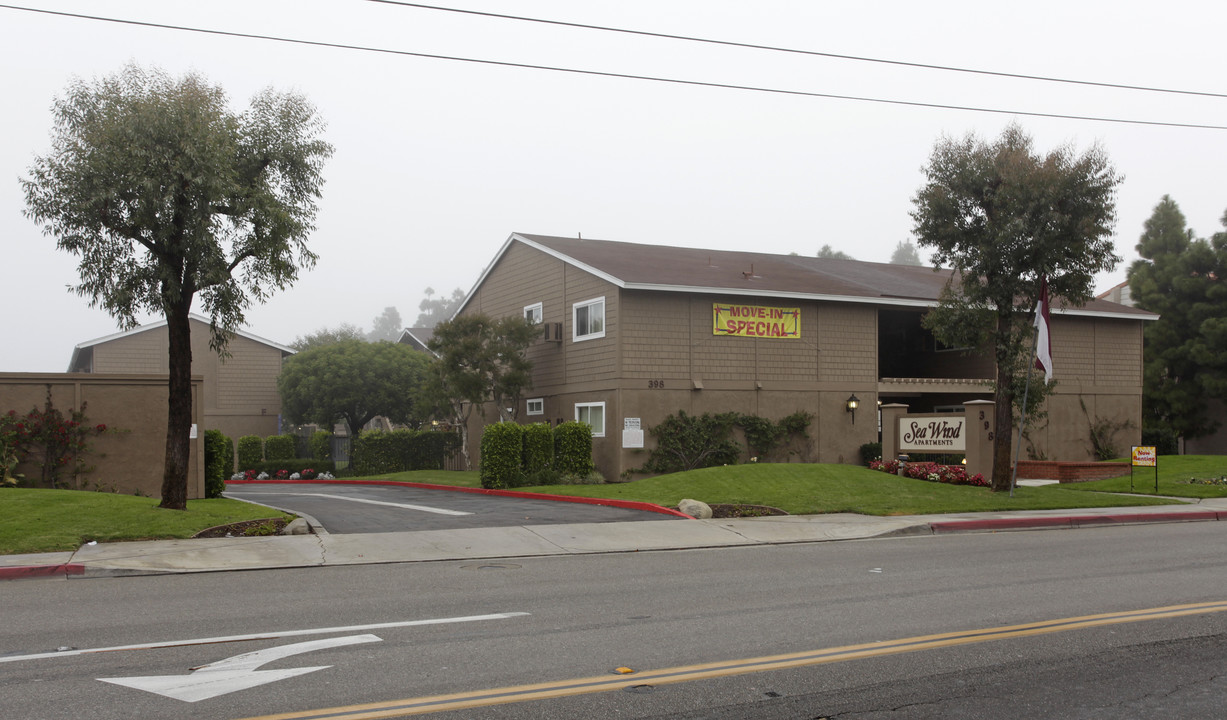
437	309
479	360
1181	278
387	326
166	195
328	336
354	381
826	251
905	254
1003	216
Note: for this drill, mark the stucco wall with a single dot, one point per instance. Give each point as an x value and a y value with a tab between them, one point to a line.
131	457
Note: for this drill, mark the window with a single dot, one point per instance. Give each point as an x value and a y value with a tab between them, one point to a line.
536	406
588	319
532	313
594	415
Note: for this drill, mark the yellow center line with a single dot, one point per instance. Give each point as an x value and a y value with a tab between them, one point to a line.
688	673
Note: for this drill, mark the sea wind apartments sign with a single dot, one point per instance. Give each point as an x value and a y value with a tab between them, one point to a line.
756	321
933	434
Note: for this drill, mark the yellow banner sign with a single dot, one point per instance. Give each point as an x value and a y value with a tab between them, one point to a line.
756	321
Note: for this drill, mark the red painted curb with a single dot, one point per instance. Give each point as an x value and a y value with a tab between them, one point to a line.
1073	521
624	504
18	572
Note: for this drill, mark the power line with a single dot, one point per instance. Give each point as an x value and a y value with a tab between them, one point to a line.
624	76
795	51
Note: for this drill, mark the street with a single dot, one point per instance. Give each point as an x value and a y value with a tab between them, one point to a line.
731	633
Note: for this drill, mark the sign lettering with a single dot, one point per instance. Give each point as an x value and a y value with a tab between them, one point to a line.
932	434
756	321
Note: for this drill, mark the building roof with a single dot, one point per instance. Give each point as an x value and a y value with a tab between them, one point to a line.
417	338
677	269
81	352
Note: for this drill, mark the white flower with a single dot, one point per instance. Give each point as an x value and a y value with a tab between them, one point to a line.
296	476
262	476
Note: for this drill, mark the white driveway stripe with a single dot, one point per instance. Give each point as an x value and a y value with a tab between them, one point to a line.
423	508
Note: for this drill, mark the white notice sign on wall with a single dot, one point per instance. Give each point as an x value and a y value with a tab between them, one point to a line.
632	433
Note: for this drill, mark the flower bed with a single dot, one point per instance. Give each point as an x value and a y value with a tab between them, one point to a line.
931	472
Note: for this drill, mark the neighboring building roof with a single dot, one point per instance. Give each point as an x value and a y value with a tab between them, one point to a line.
417	338
1118	294
80	353
677	269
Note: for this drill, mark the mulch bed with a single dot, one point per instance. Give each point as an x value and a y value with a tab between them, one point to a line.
247	528
741	511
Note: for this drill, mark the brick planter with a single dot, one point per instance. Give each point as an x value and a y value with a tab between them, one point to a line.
1070	472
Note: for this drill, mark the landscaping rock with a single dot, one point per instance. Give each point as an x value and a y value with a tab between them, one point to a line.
695	509
297	526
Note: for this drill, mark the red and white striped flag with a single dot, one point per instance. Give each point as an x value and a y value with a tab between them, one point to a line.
1043	342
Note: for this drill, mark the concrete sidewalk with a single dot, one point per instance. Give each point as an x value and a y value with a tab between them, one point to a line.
251	553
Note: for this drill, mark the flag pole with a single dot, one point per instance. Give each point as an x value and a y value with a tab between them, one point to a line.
1022	423
1042	326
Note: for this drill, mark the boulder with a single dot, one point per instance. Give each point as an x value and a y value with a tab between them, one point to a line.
695	509
297	526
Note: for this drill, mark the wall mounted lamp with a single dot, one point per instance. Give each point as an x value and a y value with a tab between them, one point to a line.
852	404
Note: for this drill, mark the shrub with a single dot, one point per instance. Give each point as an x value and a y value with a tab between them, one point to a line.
321	445
1163	439
280	447
687	442
502	450
377	452
218	465
870	452
374	453
573	448
538	448
251	451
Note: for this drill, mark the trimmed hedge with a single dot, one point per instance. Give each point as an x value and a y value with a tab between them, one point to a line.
251	451
376	452
280	447
538	448
321	445
219	462
573	448
502	452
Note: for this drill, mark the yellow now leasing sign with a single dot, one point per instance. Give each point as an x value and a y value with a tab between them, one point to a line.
1145	456
756	321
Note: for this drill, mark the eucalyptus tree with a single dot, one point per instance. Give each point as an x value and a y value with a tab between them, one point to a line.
1004	216
169	197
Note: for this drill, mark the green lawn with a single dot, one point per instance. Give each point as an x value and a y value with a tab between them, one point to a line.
35	520
1174	474
48	520
808	489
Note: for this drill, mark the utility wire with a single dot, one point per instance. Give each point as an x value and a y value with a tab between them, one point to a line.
624	76
795	51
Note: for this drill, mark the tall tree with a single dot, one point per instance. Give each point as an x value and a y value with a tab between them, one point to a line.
167	195
328	336
354	381
1185	351
435	310
905	254
1004	216
387	326
479	360
826	251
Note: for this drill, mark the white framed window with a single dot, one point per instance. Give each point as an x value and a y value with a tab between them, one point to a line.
533	313
536	406
594	415
588	319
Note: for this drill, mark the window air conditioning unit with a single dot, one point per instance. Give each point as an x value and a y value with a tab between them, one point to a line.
553	332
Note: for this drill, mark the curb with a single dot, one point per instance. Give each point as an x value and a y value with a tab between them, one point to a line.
1072	521
624	504
18	572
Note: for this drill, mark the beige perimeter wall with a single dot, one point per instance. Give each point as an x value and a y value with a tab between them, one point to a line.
130	457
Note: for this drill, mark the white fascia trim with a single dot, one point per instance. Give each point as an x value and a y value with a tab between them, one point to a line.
159	323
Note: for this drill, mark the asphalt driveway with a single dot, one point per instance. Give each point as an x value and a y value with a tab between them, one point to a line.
350	508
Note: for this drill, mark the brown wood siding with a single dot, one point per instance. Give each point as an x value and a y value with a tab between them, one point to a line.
248	378
590	360
848	343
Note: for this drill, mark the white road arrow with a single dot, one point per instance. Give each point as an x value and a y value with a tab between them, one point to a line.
236	673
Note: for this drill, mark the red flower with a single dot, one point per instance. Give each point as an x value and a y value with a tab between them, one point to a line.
101	427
